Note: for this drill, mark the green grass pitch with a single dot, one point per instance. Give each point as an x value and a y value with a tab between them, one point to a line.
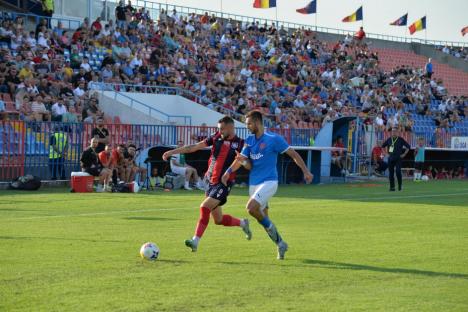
352	248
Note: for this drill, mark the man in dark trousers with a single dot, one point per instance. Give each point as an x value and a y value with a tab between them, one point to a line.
397	149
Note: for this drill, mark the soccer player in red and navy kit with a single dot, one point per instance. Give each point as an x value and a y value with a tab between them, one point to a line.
225	145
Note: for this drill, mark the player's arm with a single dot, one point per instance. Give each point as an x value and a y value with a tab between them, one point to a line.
300	163
187	149
240	160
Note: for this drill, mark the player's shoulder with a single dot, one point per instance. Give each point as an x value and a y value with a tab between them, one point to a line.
250	139
272	135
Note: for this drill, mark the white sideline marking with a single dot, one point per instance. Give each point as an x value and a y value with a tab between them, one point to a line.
174	209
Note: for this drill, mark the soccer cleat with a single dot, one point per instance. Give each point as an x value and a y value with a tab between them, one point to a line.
191	244
99	189
282	248
392	190
246	229
399	187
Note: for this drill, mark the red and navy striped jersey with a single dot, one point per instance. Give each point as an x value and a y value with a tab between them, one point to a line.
223	153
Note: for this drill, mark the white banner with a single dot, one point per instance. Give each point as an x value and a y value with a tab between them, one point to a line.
460	143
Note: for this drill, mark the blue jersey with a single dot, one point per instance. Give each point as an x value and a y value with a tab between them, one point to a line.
263	154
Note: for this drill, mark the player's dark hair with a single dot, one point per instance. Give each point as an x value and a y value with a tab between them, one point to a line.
255	115
226	120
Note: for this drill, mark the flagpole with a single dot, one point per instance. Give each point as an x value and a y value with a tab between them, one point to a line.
425	29
276	15
406	27
315	21
221	3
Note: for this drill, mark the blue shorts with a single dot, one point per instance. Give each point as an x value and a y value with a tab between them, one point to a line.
219	192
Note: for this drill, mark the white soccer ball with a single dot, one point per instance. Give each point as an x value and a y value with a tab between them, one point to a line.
149	251
425	178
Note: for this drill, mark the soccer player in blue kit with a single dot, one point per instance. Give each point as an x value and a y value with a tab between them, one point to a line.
260	154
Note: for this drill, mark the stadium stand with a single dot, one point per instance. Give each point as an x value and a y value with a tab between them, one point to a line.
297	80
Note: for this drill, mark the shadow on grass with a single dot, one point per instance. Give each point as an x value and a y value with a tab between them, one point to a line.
443	192
332	265
360	267
58	239
150	219
174	262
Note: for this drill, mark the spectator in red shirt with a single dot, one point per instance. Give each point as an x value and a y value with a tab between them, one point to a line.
96	26
360	35
378	161
339	157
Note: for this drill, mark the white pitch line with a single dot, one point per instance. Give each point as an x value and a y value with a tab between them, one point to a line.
173	209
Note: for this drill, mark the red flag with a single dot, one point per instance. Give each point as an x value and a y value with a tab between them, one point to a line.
464	30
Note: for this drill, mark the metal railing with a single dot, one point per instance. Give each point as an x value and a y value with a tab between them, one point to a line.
25	147
155	8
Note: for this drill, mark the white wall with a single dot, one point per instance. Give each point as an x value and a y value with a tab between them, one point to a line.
126	114
172	105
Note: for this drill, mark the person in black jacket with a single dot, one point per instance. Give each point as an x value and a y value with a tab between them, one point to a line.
397	149
90	163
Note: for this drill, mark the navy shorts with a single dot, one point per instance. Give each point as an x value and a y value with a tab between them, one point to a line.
219	191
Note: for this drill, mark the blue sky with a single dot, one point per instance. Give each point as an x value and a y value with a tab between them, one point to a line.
445	19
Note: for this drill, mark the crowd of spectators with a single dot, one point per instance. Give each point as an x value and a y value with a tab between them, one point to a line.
458	52
297	80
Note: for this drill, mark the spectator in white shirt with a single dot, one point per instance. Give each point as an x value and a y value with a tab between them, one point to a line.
85	64
58	109
298	102
80	90
136	61
42	40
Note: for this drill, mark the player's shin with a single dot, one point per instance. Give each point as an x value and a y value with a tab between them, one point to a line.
202	224
271	230
230	221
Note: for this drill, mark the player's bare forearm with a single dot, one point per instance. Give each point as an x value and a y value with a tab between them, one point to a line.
297	159
236	164
301	164
187	149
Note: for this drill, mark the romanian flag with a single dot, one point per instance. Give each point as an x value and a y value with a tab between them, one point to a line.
311	8
356	16
402	21
264	4
420	24
464	31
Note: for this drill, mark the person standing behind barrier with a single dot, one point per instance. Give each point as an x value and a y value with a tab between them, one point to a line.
48	7
419	160
101	134
58	147
429	69
397	150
